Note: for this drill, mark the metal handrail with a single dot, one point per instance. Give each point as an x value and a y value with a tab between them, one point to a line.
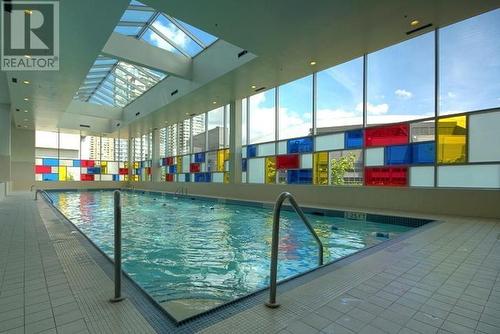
31	188
43	192
275	241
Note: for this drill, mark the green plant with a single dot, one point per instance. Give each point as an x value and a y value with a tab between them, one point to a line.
340	166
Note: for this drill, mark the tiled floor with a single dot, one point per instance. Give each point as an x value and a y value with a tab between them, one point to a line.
444	279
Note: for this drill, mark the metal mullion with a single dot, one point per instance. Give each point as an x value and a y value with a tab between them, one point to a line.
107	66
147	25
436	104
116	92
148	75
169	41
141	8
186	31
124	69
314	103
125	80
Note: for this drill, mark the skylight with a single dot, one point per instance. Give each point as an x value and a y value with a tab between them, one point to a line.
116	83
162	30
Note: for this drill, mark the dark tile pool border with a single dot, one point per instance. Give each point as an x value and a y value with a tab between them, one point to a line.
159	318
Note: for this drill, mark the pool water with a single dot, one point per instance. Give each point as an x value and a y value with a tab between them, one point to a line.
185	249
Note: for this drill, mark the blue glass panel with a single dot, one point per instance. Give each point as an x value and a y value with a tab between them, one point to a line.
187	177
301	145
299	176
424	152
251	151
76	163
354	139
199	157
172	169
50	162
208	177
244	165
50	177
116	177
397	155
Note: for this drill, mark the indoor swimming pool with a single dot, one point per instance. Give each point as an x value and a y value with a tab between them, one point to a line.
191	255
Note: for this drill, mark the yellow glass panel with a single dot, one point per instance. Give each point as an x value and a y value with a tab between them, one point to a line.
63	173
452	140
320	168
104	164
125	164
220	160
226	177
179	164
270	170
104	169
125	177
226	154
136	164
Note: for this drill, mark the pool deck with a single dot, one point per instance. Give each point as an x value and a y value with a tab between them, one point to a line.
443	279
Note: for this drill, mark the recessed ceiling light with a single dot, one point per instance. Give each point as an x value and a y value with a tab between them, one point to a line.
26	111
26	99
26	82
214	102
25	119
312	63
25	126
253	86
28	11
27	56
414	23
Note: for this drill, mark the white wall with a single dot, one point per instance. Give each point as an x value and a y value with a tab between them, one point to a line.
5	150
22	159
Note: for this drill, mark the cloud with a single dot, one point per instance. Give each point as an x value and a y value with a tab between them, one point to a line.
172	33
404	94
451	95
374	109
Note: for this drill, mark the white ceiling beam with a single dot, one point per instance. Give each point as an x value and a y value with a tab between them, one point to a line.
140	53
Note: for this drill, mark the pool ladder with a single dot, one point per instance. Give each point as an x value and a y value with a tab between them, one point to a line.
181	191
43	192
275	242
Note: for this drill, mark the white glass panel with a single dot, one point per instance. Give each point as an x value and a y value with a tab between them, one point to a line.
226	166
113	167
38	162
55	169
38	177
218	177
476	176
73	174
244	177
256	170
181	178
330	142
84	170
375	156
244	152
185	164
282	148
422	176
306	160
106	177
266	149
484	137
66	163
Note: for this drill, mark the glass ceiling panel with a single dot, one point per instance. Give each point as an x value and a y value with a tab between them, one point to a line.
117	83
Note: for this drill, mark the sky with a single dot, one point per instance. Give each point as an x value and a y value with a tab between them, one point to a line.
400	83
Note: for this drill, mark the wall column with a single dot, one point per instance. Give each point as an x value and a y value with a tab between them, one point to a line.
155	157
22	159
235	141
5	143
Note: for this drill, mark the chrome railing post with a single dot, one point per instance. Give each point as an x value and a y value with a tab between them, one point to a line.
273	277
118	248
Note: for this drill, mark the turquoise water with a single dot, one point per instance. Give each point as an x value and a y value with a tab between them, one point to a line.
178	248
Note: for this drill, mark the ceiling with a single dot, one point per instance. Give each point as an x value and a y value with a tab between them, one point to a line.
284	35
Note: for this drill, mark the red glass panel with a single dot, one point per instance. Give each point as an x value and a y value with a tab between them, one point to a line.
194	167
148	170
169	177
387	135
287	161
170	161
87	177
87	163
43	169
123	171
386	176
